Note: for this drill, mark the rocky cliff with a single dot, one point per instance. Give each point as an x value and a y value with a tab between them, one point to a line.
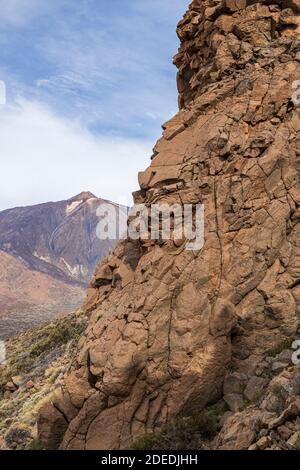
172	331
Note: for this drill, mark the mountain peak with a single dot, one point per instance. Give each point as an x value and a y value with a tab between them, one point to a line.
84	196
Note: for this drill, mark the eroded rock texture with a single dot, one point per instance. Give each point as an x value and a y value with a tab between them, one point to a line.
166	323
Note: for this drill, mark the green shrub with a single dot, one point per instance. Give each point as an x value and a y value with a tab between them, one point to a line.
185	432
34	445
147	442
18	437
30	349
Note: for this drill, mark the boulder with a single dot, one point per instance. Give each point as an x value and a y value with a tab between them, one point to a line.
255	388
51	426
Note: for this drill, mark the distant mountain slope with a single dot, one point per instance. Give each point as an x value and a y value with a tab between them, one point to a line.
29	298
48	254
57	238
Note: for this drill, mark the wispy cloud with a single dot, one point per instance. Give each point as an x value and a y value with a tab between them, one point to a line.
107	62
19	13
89	84
50	157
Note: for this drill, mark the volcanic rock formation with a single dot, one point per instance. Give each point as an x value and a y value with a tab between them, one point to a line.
167	324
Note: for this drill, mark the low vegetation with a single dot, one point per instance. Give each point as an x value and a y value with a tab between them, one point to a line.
29	349
281	346
193	432
36	360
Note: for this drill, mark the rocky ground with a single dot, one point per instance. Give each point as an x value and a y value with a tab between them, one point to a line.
258	412
261	412
36	362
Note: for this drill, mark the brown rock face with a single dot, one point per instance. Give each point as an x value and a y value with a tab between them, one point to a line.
166	322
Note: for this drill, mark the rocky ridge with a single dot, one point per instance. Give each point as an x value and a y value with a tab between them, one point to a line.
172	331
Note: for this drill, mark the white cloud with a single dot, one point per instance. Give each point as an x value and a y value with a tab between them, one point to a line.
111	71
19	12
114	65
45	157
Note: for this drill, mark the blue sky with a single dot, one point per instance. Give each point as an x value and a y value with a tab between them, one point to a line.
89	84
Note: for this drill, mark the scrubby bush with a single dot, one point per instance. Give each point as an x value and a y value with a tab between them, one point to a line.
185	432
32	347
18	437
281	346
34	445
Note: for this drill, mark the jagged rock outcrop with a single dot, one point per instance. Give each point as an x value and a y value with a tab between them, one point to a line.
271	420
166	323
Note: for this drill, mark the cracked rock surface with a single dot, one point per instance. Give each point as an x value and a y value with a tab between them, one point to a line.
167	323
